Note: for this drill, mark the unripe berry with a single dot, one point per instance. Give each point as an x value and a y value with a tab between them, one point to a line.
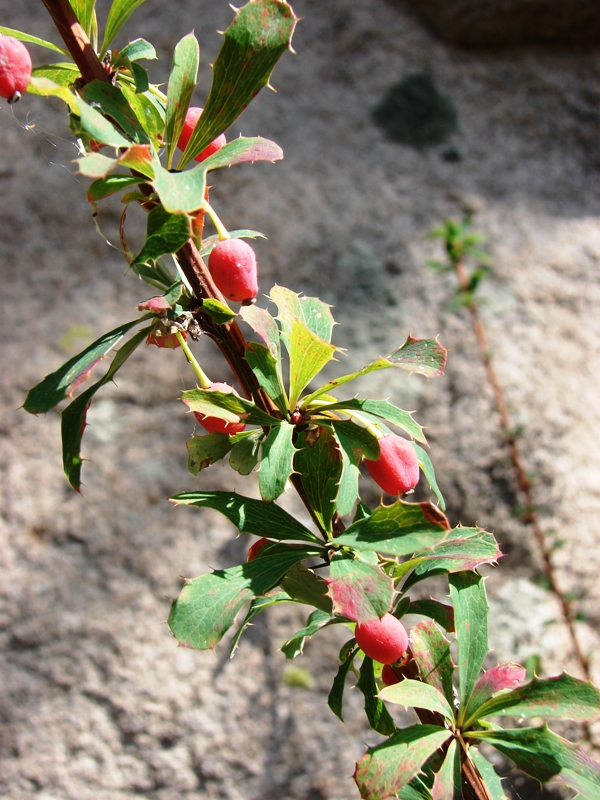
168	340
397	468
191	118
383	640
15	68
232	264
215	424
256	549
388	676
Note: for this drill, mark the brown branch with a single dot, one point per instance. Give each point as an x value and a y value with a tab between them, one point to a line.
530	517
76	40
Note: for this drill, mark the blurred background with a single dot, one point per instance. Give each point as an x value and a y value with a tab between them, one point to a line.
388	126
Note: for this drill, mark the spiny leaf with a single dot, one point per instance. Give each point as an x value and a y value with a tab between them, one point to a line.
63	74
308	356
244	454
416	694
256	606
439	612
249	515
429	472
431	651
166	233
138	49
446	784
267	370
382	409
227	406
304	586
467	592
180	191
114	105
359	591
243	150
310	311
119	13
496	679
276	464
205	450
489	775
319	465
317	620
182	80
377	714
104	187
218	311
335	699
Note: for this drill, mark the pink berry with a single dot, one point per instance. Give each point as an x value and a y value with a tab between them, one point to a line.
15	68
167	340
232	264
397	469
383	640
215	424
388	676
191	118
256	549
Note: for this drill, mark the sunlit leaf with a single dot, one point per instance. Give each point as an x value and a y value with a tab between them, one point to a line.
26	37
276	463
184	72
467	592
417	694
319	464
359	591
119	13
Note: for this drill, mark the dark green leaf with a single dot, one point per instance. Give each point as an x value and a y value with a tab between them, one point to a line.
207	606
304	586
249	515
93	124
357	437
109	185
348	485
377	714
429	472
399	529
317	620
267	370
119	13
416	694
73	418
276	463
166	233
319	464
439	612
255	40
26	37
256	606
205	450
467	592
385	769
544	755
182	80
148	111
244	455
310	311
218	311
359	591
58	385
431	651
335	699
384	410
114	105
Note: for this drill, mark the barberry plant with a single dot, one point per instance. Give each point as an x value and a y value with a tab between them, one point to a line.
354	566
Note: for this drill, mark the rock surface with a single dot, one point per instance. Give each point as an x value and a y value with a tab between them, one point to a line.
96	700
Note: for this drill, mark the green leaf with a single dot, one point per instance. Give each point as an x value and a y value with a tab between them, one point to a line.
544	755
416	694
267	370
308	356
26	37
249	515
205	450
73	418
384	410
138	49
489	775
265	326
348	485
304	586
447	781
317	620
464	549
377	714
114	105
244	455
335	699
560	696
502	676
429	472
219	312
310	311
211	241
256	606
166	233
148	111
439	612
253	43
319	464
467	592
104	187
60	384
119	13
208	605
276	463
399	529
180	191
431	651
84	11
63	74
359	591
95	165
243	150
184	72
358	438
385	769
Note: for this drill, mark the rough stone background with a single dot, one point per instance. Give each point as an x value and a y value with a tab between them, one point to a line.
96	700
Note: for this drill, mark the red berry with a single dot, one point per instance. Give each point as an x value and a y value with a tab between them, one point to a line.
383	640
256	549
397	469
388	676
168	340
215	424
191	118
15	68
232	264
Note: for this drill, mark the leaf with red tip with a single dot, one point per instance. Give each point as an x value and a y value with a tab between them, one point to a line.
159	303
431	651
140	158
385	769
359	591
504	676
243	150
259	34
